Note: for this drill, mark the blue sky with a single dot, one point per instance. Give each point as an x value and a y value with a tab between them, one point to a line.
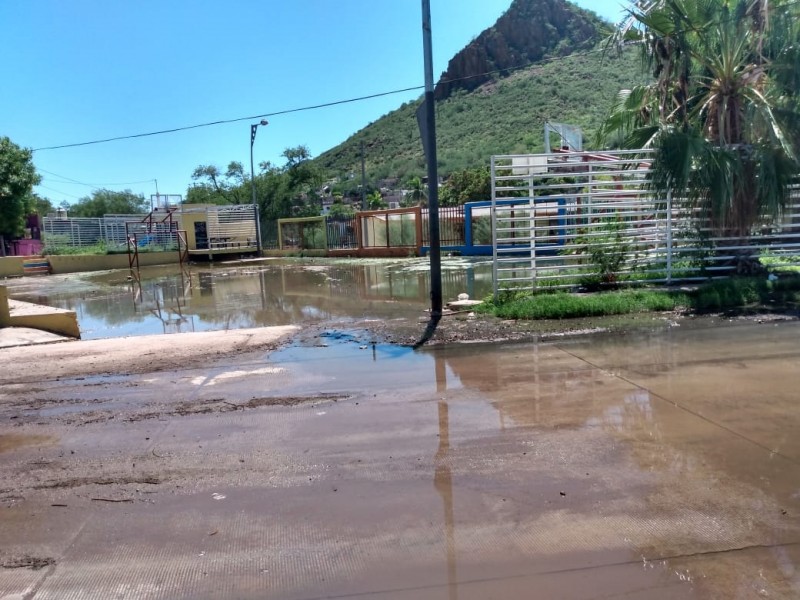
92	69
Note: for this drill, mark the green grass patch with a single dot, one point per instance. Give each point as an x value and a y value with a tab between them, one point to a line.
563	305
728	294
101	248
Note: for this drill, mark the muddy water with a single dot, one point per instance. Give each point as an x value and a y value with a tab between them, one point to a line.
663	465
250	294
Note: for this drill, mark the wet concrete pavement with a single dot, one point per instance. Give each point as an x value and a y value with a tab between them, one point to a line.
660	465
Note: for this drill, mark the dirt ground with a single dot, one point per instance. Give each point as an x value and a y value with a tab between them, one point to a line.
528	461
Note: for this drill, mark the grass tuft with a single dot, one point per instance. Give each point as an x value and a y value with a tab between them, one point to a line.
728	294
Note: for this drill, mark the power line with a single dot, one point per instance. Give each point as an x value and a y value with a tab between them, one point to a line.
324	105
70	181
225	121
59	191
508	70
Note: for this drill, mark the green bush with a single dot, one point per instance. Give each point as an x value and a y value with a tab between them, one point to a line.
607	253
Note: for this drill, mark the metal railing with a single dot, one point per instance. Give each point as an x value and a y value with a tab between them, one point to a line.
568	219
451	226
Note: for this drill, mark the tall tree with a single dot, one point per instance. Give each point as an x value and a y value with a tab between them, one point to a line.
467	186
17	178
212	186
42	206
722	109
107	202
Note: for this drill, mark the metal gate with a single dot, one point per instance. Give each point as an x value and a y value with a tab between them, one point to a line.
568	219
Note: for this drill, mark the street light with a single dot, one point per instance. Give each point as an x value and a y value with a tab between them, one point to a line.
253	130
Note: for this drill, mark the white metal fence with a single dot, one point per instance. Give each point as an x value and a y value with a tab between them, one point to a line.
587	218
62	234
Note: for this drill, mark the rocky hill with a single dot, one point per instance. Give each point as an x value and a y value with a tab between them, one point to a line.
575	83
527	32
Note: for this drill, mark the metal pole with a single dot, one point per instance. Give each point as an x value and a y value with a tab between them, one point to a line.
495	254
433	178
253	129
669	236
363	180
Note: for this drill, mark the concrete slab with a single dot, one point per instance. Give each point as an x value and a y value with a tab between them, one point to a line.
14	313
47	318
11	337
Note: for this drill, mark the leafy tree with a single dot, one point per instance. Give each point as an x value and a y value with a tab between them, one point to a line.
290	190
42	206
466	186
338	209
281	191
722	109
214	187
107	202
17	178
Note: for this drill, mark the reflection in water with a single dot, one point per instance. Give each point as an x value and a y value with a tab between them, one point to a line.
443	477
166	303
699	487
213	297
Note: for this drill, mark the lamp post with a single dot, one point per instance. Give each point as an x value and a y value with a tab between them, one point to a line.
253	130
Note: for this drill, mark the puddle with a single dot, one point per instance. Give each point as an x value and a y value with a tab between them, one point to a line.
347	360
251	294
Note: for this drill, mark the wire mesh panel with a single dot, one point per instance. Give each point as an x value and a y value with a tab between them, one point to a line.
589	219
395	228
402	230
303	233
341	233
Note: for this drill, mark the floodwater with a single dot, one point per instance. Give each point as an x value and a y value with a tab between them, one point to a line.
656	465
250	294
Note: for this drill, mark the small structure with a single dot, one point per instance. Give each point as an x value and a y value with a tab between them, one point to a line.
218	230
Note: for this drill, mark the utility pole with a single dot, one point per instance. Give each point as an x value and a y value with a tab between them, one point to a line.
429	143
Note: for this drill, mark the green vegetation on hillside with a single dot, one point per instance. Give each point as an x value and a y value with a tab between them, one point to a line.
502	117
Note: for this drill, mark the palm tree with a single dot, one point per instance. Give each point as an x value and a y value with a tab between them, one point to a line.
416	194
721	111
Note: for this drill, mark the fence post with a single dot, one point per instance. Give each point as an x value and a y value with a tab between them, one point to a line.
494	230
669	236
532	229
